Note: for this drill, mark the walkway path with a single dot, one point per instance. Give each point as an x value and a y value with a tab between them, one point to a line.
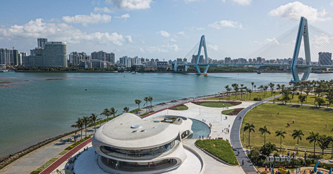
65	157
37	158
235	138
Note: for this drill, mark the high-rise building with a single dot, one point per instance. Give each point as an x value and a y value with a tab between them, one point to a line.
194	58
103	56
227	60
9	57
41	42
52	55
325	58
76	58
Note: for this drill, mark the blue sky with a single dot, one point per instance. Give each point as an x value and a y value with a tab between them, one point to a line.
164	29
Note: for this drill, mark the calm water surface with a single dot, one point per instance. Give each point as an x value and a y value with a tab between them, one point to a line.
36	106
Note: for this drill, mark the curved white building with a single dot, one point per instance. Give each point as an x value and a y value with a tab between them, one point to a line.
135	145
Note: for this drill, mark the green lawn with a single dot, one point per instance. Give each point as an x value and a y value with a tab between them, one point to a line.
306	118
245	97
219	148
44	166
216	105
228	111
310	100
180	108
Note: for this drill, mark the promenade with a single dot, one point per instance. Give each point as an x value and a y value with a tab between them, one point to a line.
235	138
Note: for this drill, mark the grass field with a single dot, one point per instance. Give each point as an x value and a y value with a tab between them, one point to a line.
225	112
306	118
244	97
216	104
219	148
310	100
180	108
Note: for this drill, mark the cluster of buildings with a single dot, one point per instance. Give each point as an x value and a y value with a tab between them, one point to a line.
54	54
125	62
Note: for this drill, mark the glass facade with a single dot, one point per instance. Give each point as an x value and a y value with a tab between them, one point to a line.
142	153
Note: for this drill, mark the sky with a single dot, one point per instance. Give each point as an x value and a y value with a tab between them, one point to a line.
163	29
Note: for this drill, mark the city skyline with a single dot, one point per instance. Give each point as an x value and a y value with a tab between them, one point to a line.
157	29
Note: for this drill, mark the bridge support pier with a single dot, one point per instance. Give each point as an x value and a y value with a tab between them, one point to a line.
303	32
202	44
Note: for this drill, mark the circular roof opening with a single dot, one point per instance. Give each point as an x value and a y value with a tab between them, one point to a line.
135	126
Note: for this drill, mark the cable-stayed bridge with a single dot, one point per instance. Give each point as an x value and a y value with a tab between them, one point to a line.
293	49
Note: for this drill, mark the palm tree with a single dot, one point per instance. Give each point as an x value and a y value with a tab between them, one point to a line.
137	101
297	134
255	87
264	130
126	109
250	91
146	99
271	85
250	128
330	139
302	99
313	137
85	121
252	83
280	133
319	101
93	118
226	87
150	99
79	125
106	112
113	111
323	143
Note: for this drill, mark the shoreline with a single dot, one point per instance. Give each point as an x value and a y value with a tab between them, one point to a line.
8	159
28	71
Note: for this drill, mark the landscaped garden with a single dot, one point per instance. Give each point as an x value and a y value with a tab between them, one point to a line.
217	104
232	111
220	149
281	121
180	108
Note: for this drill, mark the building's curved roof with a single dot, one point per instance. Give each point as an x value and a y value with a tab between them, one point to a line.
119	132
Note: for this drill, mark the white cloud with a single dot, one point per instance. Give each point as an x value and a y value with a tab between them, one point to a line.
295	10
156	50
124	16
161	49
173	47
213	47
164	33
87	19
173	40
226	23
200	29
130	4
102	10
331	3
181	33
58	31
241	2
273	40
129	39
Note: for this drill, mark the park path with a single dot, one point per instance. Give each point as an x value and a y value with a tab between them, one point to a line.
65	157
236	142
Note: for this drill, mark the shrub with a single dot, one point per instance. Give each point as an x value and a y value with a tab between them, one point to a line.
257	99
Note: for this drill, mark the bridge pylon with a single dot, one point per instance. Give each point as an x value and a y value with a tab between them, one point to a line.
303	32
197	65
